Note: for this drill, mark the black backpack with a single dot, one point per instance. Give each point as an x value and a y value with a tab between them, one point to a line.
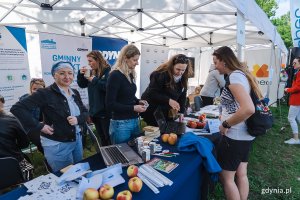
260	121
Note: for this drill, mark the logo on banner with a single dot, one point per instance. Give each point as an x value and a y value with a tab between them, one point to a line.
110	55
82	49
48	44
295	26
260	71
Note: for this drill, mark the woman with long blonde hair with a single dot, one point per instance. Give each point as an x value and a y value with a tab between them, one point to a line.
237	107
95	80
121	99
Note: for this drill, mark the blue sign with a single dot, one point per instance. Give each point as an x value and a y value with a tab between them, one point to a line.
109	47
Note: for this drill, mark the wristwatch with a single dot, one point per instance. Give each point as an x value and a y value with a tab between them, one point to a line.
225	124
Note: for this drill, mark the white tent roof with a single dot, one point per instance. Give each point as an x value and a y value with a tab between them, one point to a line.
183	23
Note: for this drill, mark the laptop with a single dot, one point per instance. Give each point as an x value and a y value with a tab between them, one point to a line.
168	126
120	153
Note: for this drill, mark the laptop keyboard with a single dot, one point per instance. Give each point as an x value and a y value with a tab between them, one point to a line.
115	155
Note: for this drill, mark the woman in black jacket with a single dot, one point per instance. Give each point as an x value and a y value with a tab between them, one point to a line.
167	89
63	114
96	84
12	136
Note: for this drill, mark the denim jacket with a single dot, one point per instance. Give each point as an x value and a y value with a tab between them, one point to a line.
55	109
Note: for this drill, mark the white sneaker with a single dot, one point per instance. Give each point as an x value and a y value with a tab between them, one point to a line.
292	141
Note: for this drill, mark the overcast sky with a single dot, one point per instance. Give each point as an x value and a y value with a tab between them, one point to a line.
283	7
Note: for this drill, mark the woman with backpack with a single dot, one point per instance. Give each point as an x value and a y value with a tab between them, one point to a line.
237	107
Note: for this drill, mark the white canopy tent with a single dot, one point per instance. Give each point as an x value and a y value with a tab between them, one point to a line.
192	27
174	23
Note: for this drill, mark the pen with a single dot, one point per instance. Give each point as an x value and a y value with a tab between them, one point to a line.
171	153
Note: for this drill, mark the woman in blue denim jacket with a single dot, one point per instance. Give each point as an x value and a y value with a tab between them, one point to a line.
63	113
121	99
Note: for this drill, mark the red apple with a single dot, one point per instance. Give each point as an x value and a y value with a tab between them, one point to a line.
90	194
132	171
172	139
192	124
106	192
165	137
124	195
201	124
135	184
202	117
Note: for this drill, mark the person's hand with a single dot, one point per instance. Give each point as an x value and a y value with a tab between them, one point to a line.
286	89
89	120
90	79
83	69
47	129
143	103
72	120
223	131
174	104
139	108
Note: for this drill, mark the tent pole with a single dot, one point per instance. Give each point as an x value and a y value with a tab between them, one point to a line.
184	19
140	13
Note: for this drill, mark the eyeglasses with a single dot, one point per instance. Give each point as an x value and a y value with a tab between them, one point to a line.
181	59
294	63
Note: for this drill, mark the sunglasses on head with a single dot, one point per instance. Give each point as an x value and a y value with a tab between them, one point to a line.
181	59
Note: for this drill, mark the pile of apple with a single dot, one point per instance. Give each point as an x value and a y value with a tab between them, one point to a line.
105	192
200	123
169	138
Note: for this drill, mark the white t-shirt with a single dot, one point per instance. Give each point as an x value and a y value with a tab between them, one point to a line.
230	106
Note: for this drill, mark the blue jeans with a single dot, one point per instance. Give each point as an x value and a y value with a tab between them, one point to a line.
64	153
121	131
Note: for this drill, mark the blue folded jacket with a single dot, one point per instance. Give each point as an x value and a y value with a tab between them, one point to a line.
191	142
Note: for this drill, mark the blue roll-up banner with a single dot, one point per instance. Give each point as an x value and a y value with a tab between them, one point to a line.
109	47
295	21
14	67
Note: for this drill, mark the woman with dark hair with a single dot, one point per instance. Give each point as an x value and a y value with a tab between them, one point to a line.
121	99
167	89
34	137
64	115
96	84
12	136
237	106
294	102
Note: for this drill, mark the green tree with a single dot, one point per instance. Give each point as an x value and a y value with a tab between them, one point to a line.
283	23
269	6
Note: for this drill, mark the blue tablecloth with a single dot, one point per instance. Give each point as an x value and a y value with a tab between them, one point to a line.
187	178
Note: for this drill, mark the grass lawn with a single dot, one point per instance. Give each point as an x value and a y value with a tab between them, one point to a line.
273	166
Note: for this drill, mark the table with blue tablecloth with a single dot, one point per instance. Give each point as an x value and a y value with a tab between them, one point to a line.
187	178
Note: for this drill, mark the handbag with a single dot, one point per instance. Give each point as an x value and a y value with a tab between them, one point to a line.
262	119
27	169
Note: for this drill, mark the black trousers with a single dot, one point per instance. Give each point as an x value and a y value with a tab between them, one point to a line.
102	128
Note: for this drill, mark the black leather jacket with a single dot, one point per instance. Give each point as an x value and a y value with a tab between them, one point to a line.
54	106
12	137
